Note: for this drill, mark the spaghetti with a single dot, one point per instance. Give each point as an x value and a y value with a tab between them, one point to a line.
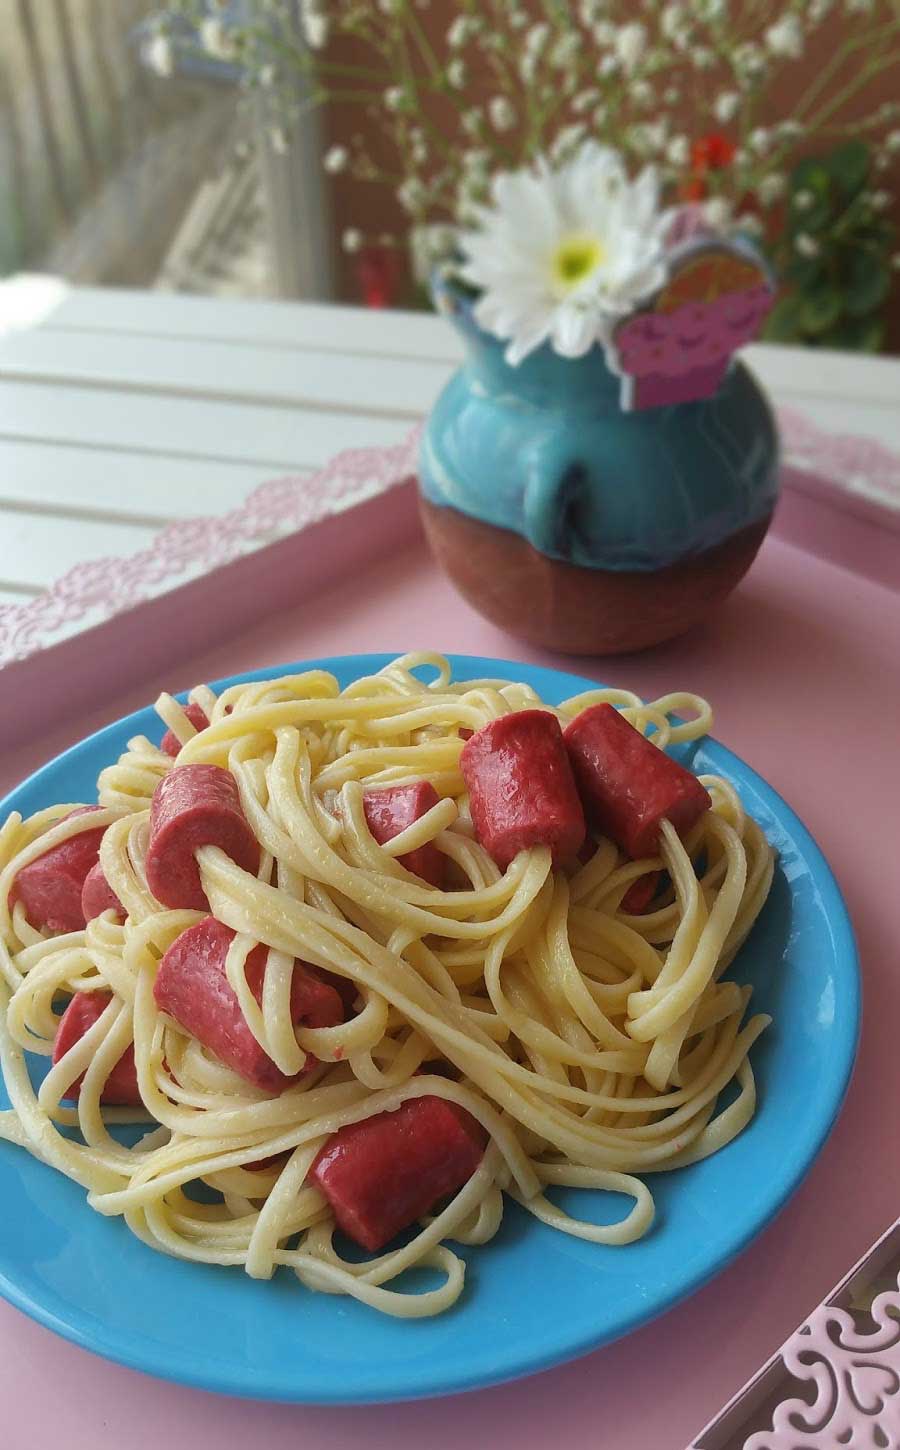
591	1044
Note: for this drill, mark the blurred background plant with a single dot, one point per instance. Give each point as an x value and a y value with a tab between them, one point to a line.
354	135
834	253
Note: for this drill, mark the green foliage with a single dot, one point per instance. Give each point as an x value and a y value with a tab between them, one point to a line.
834	257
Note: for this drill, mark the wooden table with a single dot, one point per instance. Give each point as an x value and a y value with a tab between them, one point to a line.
122	411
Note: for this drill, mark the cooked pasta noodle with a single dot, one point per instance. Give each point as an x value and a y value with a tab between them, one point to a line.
592	1045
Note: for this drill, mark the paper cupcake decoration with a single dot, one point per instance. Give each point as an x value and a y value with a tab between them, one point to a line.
678	346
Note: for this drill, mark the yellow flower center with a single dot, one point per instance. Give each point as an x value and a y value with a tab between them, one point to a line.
575	259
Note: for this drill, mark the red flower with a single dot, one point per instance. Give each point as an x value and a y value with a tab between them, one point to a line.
711	153
377	270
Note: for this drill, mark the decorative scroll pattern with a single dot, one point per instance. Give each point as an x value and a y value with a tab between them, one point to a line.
94	591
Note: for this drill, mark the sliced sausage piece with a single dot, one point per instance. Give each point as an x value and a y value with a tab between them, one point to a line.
50	887
121	1087
198	718
390	811
521	790
630	786
640	893
383	1173
98	896
194	806
192	987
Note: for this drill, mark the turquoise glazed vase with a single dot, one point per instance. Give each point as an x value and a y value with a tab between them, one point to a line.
580	526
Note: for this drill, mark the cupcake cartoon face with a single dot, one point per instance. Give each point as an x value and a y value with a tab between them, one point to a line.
714	302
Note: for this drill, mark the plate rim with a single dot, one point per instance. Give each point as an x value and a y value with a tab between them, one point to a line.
250	1384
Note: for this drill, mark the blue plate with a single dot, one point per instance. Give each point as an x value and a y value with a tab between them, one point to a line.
533	1297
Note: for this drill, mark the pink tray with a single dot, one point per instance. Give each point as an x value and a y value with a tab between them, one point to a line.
801	667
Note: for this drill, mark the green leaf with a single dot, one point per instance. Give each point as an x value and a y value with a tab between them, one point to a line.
868	284
785	321
856	334
811	174
821	309
849	165
806	272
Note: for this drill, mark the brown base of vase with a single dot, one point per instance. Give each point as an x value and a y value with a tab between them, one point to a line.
582	611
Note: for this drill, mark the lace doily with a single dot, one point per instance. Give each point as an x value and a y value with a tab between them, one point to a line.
96	590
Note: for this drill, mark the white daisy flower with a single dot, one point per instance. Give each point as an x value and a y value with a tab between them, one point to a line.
558	254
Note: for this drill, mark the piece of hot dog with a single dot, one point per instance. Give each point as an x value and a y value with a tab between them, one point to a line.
194	806
521	789
192	987
628	785
50	887
390	811
121	1087
383	1173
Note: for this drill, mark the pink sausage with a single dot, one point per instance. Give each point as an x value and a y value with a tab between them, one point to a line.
50	887
98	896
191	986
382	1174
521	789
629	786
390	811
194	806
121	1087
198	718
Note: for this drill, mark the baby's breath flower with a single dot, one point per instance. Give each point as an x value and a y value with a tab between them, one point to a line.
749	223
412	194
673	19
678	151
803	199
892	141
880	200
749	62
472	121
702	58
642	93
457	73
806	245
315	23
726	106
671	95
771	188
786	37
335	160
460	32
565	51
394	98
215	38
604	32
631	42
352	239
278	140
160	56
502	113
761	140
717	212
608	66
584	101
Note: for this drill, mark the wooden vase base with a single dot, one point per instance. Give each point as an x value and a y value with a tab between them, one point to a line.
582	611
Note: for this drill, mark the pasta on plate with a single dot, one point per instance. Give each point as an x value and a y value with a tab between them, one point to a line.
342	975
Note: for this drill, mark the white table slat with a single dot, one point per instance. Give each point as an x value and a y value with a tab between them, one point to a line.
38	551
271	437
48	303
115	484
343	382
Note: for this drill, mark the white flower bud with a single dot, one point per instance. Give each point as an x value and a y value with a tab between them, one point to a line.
717	212
761	140
892	141
673	20
608	66
457	74
394	97
804	199
750	224
352	239
806	245
315	29
678	151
